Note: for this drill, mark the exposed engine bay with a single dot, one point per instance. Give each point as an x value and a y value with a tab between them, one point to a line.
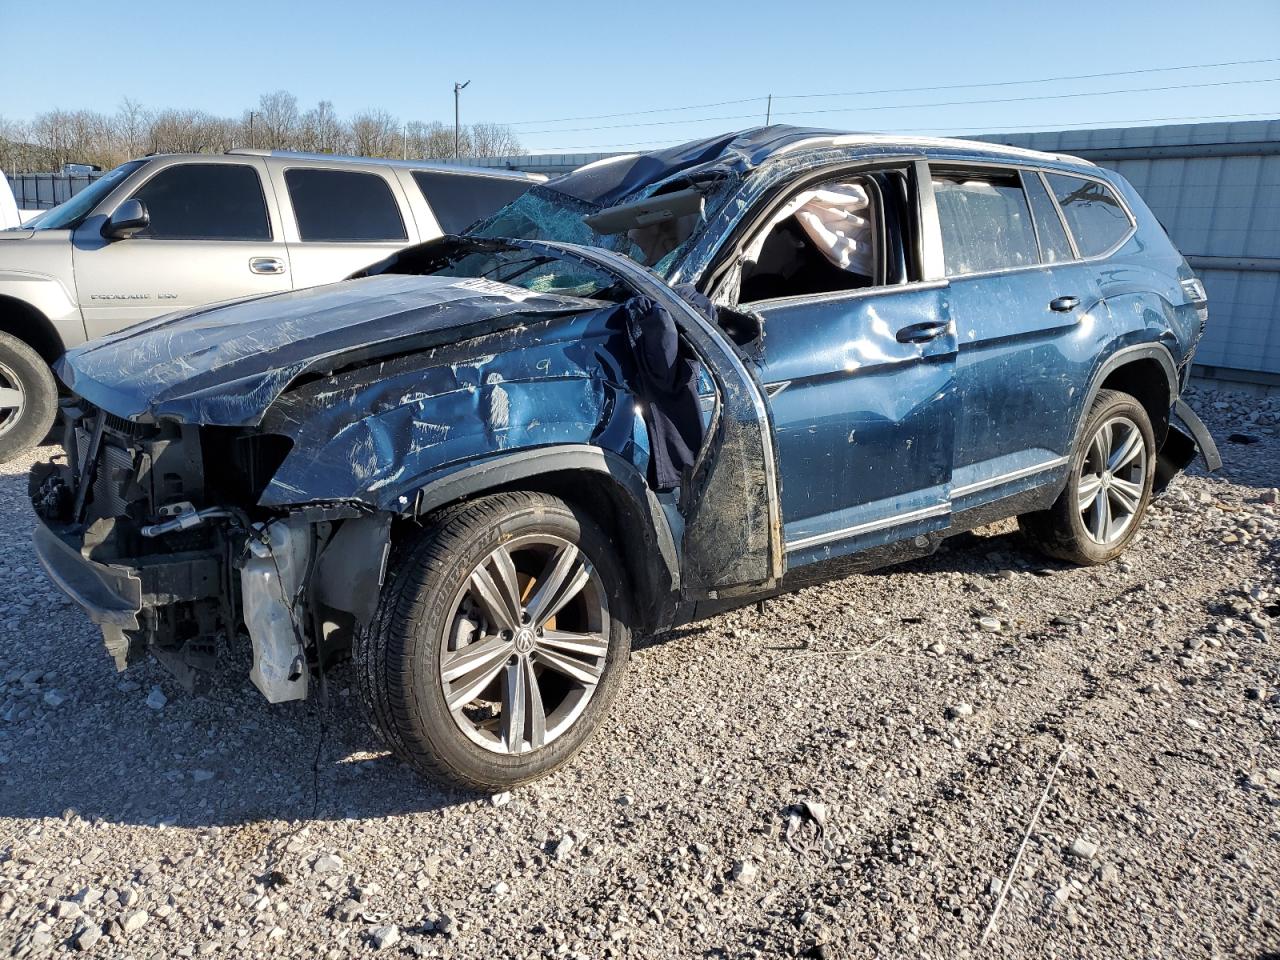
164	514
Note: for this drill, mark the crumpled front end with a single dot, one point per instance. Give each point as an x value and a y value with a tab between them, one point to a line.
152	530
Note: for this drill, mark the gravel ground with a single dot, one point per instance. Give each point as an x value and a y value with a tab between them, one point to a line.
922	713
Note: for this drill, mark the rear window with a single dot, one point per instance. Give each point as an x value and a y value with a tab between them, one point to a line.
205	201
460	200
986	224
1097	219
343	206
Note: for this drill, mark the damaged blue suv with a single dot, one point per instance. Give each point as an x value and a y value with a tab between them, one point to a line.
658	387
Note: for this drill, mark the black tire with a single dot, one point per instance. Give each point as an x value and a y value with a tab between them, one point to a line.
1060	531
22	369
397	659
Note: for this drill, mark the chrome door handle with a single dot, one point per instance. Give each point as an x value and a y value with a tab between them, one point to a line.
922	332
270	266
1064	304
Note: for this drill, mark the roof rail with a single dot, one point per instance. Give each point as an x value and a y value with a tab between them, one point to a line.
436	165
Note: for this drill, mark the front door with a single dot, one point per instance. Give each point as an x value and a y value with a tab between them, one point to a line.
212	237
860	387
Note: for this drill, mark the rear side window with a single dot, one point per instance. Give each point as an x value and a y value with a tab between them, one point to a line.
986	224
460	200
205	201
343	206
1095	215
1054	245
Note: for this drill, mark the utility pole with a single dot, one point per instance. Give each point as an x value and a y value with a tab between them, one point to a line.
253	141
404	148
768	110
457	89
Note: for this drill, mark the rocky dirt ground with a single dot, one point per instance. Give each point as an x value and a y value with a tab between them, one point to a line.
922	713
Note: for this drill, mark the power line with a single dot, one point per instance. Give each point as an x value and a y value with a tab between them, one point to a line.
641	113
1041	96
859	93
1016	83
1046	127
909	106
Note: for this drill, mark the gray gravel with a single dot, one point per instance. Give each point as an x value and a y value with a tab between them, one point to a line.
848	774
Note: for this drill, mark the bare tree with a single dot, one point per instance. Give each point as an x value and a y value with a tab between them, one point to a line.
493	140
375	133
56	137
277	117
131	129
320	130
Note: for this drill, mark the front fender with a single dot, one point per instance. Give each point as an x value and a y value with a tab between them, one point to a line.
48	296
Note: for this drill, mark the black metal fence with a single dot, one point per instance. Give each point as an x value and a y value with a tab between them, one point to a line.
40	191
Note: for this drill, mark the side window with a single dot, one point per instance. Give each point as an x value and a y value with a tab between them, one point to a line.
825	239
985	221
459	200
343	206
1054	245
205	201
1097	219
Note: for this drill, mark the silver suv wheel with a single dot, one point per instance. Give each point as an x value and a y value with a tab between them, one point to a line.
13	399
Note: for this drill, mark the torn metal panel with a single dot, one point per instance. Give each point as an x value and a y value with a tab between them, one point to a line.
378	433
227	364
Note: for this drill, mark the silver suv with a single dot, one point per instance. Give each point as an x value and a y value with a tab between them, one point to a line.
169	233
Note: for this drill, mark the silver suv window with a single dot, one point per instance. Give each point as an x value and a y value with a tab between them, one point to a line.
1097	219
460	200
205	201
343	206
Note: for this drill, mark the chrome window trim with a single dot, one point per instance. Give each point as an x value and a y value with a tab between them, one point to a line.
1009	477
870	526
886	290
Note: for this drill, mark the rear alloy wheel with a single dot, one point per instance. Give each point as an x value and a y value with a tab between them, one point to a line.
1108	488
28	397
500	641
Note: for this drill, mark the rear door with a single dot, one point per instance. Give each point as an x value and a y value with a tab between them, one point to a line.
214	235
338	220
1025	313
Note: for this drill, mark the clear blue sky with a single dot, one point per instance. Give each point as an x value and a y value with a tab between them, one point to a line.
531	62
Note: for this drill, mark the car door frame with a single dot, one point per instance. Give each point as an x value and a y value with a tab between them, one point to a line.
724	271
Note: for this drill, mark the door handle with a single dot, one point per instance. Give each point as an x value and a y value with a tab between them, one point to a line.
1064	304
270	266
922	332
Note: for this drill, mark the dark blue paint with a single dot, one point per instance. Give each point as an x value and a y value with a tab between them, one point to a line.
413	376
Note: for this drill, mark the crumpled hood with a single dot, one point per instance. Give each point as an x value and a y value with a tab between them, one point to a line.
225	365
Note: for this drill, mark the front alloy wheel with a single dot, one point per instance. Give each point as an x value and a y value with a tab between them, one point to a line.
523	652
501	638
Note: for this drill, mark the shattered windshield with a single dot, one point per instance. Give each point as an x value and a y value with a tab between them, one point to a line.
543	213
529	270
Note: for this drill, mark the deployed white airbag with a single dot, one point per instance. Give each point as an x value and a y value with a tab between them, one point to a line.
836	218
